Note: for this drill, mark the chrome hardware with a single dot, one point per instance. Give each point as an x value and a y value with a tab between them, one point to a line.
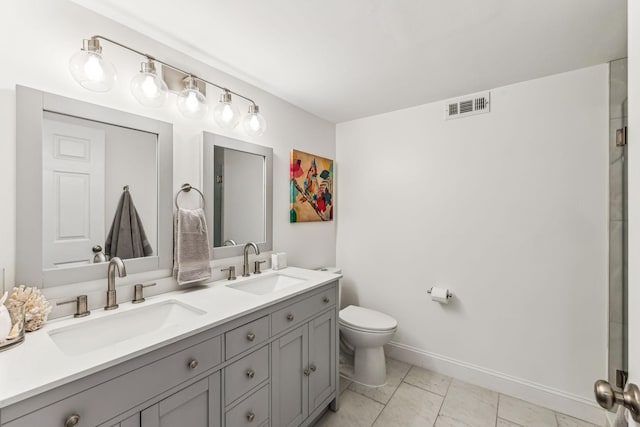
621	137
256	266
607	397
245	264
289	317
81	305
251	416
229	242
137	292
251	336
98	255
307	372
621	378
193	364
251	373
72	420
232	272
325	300
115	263
313	367
186	188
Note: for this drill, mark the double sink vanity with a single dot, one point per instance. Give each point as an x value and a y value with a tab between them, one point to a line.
254	351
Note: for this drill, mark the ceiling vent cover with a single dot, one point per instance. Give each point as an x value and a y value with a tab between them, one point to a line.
469	105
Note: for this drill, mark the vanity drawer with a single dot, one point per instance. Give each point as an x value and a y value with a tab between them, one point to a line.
302	310
252	411
246	336
115	396
246	373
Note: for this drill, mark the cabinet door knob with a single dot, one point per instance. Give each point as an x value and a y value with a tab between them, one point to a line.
307	372
289	317
251	373
193	364
72	420
251	336
313	367
325	300
251	416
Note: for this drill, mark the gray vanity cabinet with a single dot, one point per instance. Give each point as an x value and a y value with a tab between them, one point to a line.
197	405
304	371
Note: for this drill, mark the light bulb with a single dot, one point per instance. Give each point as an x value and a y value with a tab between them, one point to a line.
191	102
225	114
90	69
254	123
148	88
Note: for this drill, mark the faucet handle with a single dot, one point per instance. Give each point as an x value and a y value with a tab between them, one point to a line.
256	266
137	292
232	272
81	305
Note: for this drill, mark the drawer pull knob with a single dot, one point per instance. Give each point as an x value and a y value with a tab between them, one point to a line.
72	420
251	336
193	364
251	373
325	300
313	367
251	416
307	372
289	317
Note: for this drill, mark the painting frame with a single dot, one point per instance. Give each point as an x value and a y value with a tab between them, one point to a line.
312	196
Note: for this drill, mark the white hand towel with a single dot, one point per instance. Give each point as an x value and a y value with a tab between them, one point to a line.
191	247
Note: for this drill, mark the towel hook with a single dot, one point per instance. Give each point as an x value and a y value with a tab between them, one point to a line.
186	188
125	188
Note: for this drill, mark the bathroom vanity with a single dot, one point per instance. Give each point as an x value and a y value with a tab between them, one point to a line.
257	351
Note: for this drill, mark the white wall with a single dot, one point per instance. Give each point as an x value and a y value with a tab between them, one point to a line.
507	209
36	40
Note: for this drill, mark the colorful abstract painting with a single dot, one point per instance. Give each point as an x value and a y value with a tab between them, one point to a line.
311	188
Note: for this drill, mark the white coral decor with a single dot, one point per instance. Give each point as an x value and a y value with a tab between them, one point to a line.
36	307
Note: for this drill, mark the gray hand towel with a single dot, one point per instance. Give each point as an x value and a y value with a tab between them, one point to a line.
126	238
191	247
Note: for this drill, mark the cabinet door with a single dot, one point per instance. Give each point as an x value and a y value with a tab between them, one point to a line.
322	358
289	392
195	406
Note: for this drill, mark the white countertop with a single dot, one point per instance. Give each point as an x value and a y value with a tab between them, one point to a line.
38	365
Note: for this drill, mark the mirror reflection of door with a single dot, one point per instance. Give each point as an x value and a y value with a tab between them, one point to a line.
73	159
86	165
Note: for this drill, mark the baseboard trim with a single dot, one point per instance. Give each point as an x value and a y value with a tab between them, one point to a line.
558	400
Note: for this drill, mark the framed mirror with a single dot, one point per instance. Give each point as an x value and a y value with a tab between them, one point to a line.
238	189
92	183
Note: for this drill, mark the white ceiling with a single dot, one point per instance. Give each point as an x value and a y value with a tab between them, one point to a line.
345	59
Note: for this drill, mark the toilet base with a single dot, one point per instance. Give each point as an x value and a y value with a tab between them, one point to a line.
369	366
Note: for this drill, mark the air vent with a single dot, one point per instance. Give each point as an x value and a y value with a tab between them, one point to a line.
468	106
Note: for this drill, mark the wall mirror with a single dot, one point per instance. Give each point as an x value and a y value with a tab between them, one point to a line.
238	189
80	170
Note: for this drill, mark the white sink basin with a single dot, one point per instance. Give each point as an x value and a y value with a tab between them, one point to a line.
267	284
109	330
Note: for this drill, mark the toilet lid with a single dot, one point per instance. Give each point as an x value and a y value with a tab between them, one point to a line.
366	319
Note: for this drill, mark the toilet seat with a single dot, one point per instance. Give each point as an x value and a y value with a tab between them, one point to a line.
366	320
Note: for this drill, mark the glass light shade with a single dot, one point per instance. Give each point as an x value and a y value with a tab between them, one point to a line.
254	123
149	89
192	103
91	70
226	115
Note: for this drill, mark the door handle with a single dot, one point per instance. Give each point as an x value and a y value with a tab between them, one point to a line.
607	397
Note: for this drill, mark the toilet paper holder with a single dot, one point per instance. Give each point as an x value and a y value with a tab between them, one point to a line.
449	294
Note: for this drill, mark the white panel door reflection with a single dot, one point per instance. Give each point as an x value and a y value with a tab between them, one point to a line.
73	187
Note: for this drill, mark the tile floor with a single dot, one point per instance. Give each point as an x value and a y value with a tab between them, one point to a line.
417	397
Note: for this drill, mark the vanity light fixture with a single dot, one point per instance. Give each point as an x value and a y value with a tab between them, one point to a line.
254	123
90	69
191	102
147	87
93	72
226	114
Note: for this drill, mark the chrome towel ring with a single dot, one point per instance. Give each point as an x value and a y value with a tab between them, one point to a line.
186	188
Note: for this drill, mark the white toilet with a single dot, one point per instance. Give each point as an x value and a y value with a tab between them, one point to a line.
366	331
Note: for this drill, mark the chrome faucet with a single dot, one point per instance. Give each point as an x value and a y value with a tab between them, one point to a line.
111	281
245	265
